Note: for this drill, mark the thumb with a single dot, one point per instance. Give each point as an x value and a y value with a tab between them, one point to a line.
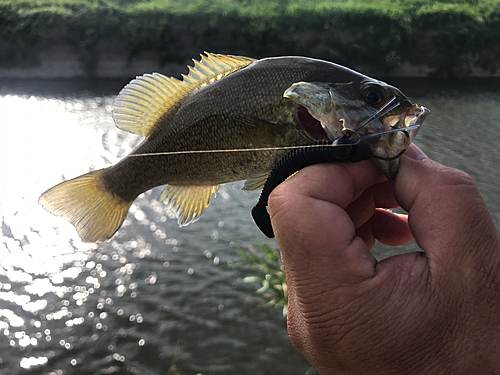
446	213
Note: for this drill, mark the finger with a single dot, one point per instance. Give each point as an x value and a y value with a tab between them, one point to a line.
377	196
387	227
331	273
414	152
447	215
312	228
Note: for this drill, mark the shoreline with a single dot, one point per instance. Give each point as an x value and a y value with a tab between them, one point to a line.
68	66
63	62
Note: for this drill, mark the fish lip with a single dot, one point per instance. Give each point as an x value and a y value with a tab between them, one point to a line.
421	113
415	116
425	113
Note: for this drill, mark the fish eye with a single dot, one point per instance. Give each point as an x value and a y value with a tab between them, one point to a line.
373	94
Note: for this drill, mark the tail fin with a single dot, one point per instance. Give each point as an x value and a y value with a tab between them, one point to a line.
84	202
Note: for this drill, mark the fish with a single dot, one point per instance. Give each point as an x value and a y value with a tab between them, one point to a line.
230	118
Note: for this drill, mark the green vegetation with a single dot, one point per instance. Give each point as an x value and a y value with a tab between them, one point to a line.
270	274
451	37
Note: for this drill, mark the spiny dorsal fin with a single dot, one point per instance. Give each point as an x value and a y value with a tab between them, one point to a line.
187	202
145	100
142	102
213	67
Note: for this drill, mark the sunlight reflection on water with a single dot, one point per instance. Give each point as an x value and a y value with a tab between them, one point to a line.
69	305
41	256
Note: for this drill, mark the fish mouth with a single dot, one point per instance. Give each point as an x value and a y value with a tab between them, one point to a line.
414	118
399	135
407	123
399	132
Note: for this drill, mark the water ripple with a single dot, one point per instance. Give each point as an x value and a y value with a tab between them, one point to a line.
158	297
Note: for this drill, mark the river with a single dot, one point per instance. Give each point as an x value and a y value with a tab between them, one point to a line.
159	299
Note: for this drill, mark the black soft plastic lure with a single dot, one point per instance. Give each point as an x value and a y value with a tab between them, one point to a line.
343	150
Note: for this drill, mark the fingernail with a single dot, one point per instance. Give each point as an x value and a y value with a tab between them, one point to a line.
415	153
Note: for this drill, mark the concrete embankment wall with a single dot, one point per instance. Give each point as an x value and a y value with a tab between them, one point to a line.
64	61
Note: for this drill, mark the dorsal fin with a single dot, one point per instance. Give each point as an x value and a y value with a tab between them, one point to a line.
142	102
213	67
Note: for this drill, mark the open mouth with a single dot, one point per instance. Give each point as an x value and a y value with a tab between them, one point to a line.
308	123
413	119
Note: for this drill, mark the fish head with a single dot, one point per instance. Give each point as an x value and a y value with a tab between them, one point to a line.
368	111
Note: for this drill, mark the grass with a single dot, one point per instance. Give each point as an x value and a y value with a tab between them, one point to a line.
266	261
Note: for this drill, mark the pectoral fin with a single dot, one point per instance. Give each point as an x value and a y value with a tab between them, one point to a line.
188	202
256	181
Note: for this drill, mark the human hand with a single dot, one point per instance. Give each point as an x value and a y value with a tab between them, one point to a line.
436	312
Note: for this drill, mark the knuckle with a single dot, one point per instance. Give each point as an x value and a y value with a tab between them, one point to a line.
453	177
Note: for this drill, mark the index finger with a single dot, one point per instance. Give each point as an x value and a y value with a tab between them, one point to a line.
447	215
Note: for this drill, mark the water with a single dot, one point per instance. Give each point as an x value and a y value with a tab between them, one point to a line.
158	299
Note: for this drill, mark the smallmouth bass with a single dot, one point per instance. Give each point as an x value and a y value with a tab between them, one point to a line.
231	118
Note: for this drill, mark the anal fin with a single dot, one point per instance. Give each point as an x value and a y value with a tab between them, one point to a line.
187	202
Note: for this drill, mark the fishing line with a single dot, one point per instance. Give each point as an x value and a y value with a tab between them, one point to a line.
298	159
228	150
381	112
390	131
334	143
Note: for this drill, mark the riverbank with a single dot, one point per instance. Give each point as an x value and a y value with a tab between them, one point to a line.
62	62
119	38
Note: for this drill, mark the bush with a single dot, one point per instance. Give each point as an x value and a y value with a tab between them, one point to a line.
451	37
